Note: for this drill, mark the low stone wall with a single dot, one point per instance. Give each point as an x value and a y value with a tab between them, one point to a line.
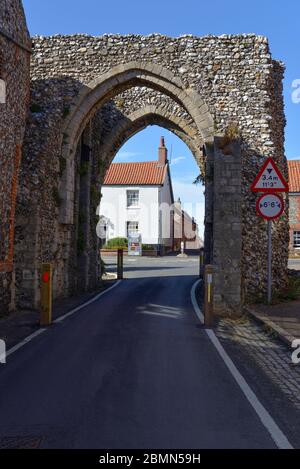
112	252
149	253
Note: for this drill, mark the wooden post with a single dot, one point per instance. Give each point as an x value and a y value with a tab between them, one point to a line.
46	295
208	295
201	263
120	264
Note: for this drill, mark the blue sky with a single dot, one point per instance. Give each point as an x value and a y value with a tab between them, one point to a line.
278	20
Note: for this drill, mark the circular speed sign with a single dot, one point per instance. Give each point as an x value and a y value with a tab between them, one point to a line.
270	206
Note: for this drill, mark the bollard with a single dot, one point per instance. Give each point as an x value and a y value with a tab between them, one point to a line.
46	295
208	295
201	263
120	264
182	247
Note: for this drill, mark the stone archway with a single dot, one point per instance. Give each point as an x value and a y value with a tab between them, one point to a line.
206	90
118	79
91	112
140	119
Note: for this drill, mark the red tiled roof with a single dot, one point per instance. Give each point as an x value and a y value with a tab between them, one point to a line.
127	174
294	175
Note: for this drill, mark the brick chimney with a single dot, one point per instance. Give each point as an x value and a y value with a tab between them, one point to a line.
162	153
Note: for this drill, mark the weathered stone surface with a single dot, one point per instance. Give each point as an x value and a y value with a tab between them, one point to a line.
197	87
14	71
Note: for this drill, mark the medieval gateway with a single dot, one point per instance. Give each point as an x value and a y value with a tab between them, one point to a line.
221	95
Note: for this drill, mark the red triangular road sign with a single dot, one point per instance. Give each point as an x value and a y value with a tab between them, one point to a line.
269	179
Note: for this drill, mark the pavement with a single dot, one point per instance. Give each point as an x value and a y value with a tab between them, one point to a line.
282	318
262	356
137	369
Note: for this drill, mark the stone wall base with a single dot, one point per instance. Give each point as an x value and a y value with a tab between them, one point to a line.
7	292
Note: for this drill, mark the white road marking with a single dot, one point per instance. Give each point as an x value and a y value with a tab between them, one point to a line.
195	303
61	318
267	420
92	300
25	341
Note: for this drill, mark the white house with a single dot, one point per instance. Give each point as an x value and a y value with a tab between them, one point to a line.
138	197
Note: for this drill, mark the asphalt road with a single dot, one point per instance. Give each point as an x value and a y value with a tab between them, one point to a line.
135	369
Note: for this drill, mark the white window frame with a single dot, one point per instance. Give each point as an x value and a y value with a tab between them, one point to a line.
133	198
135	230
296	239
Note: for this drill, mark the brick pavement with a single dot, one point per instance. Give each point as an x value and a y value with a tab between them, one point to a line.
269	353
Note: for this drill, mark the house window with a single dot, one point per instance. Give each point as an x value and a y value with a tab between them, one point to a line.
132	227
296	239
132	198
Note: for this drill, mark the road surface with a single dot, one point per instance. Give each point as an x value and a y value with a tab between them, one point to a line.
135	369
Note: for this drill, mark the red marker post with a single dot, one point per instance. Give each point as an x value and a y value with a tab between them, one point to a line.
269	205
46	295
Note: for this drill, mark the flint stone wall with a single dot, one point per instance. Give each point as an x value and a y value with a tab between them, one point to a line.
14	73
234	75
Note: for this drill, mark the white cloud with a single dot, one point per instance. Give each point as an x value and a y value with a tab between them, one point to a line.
177	159
296	92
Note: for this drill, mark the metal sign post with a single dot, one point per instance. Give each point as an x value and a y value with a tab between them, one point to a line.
269	206
269	261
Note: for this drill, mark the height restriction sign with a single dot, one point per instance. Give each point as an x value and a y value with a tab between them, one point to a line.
269	179
270	206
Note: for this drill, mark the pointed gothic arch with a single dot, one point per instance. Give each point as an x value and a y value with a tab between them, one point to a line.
91	97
